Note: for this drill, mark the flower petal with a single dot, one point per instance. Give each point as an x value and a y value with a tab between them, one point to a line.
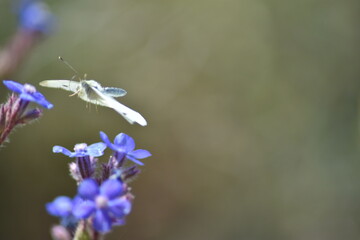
27	97
84	209
41	100
130	144
96	149
134	160
60	149
120	139
88	189
60	207
102	222
106	140
120	207
140	154
111	188
13	86
77	199
124	142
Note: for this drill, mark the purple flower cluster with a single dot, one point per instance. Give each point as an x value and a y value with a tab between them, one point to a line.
105	205
103	197
16	110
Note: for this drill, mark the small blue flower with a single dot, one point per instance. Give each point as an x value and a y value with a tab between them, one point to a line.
85	158
35	16
124	146
28	93
62	207
105	204
82	150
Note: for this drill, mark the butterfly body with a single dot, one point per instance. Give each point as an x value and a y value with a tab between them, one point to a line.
91	91
87	93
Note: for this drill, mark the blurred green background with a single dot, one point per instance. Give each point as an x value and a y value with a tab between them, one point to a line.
252	109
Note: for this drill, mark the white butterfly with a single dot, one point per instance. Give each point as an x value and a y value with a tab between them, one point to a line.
91	91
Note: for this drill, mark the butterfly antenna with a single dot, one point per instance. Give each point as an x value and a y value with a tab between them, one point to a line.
68	64
74	70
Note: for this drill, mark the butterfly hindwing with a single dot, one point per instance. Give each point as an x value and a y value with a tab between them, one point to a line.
114	92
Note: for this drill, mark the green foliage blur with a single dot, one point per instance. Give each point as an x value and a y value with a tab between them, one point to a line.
252	110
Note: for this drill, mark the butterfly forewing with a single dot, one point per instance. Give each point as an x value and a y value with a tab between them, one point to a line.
67	85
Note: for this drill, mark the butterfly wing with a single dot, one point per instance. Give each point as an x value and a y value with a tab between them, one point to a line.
130	115
114	92
91	92
67	85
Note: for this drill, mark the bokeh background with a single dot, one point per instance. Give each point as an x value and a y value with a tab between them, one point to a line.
253	112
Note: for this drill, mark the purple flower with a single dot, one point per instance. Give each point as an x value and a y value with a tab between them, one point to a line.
82	150
105	204
35	16
62	207
85	158
27	93
124	146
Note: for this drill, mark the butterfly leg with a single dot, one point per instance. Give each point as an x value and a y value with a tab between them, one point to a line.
75	93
